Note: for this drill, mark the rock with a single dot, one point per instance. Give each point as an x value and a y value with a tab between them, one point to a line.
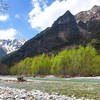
20	79
21	94
31	98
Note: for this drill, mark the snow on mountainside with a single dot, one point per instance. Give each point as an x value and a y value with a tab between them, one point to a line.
93	14
11	45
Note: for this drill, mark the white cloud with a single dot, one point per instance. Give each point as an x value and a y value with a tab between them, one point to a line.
4	17
8	34
44	17
17	16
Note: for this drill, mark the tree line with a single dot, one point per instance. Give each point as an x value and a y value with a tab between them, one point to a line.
83	61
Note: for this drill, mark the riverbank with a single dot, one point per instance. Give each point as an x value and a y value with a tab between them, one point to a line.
49	77
7	93
76	87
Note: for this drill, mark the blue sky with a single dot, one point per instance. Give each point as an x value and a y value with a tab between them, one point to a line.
26	18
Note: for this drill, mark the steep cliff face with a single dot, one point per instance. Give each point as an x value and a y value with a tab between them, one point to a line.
64	32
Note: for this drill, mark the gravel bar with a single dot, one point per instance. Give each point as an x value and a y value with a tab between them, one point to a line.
7	93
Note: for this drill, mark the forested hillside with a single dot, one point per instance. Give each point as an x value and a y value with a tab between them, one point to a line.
73	62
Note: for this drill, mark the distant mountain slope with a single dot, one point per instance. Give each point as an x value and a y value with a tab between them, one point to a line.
67	30
90	21
2	52
8	46
93	14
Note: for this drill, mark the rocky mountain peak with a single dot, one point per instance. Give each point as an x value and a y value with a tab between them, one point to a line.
65	19
67	14
95	8
10	45
92	14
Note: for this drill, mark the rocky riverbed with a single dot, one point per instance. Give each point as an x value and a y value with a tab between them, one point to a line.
49	88
7	93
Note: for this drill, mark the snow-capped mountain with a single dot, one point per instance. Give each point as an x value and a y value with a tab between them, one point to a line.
92	14
11	45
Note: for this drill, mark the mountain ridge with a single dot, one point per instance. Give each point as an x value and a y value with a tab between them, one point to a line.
92	14
10	45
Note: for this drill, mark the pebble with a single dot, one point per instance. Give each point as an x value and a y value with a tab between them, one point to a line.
7	93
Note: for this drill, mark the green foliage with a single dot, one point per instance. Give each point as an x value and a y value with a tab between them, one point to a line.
33	66
83	61
41	65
